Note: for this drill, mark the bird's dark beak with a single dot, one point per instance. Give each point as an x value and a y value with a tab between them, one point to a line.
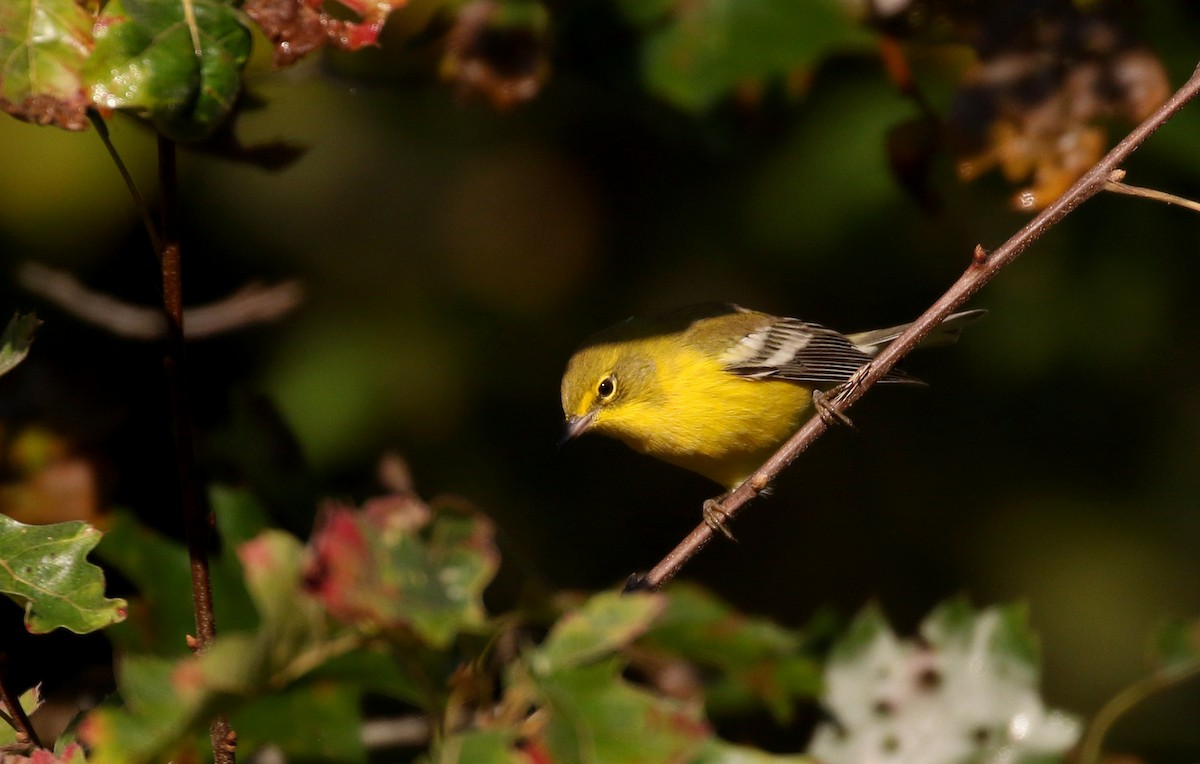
576	426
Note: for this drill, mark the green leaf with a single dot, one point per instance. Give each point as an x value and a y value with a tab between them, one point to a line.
317	722
274	566
169	701
709	47
605	623
596	716
720	752
8	733
161	616
643	13
701	626
239	514
15	342
150	59
373	669
1176	646
44	567
71	753
955	624
490	746
156	717
292	623
398	565
862	635
748	661
43	46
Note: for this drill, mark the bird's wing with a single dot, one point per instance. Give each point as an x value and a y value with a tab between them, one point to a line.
792	350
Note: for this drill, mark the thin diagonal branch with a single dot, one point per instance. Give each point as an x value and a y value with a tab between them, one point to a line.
983	268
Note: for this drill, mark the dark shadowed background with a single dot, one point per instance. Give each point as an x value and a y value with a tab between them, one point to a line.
453	257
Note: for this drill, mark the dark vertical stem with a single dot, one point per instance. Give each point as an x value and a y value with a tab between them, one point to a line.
197	516
13	703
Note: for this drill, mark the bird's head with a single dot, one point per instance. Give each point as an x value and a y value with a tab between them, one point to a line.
606	388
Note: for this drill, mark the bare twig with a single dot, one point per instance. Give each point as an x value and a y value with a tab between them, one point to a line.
189	16
409	731
252	304
13	703
1092	746
1117	187
983	268
197	515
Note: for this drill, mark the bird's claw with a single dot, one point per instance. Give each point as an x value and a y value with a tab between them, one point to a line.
823	402
715	518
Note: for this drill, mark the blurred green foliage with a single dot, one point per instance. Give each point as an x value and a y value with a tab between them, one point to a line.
453	258
356	615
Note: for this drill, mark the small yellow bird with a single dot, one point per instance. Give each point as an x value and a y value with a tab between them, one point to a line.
716	389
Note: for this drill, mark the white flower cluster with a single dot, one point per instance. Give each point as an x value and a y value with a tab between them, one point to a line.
965	693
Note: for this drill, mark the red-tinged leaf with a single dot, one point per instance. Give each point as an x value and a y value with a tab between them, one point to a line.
263	556
536	753
43	46
342	555
397	565
71	754
168	703
298	27
292	623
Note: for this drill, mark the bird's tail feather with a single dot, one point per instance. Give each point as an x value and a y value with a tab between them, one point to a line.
945	334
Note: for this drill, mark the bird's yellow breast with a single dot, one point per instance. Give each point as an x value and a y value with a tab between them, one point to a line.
663	385
705	419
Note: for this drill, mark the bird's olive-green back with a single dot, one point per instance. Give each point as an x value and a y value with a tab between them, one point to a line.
625	349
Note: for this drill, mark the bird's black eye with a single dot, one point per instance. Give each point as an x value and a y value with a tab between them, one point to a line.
606	388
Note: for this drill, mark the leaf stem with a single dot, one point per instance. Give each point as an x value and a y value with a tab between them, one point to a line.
138	200
311	659
983	267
